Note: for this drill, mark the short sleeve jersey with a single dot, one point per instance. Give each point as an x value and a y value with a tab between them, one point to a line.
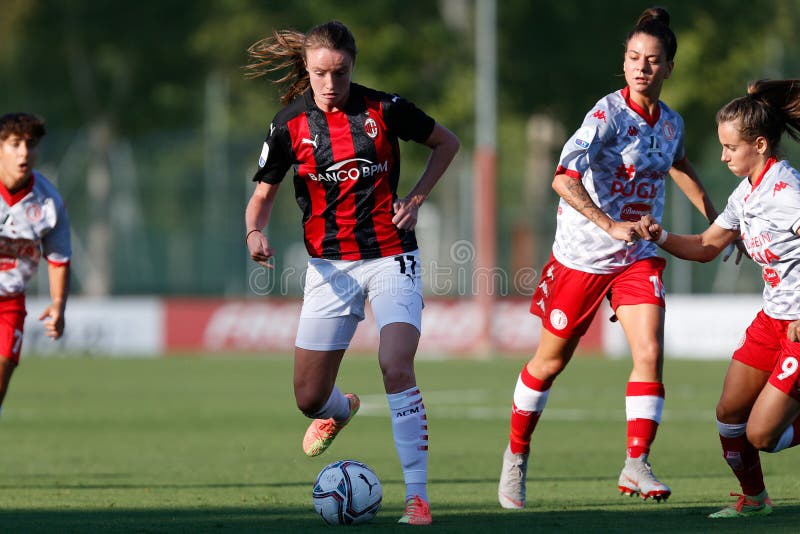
346	170
767	214
622	155
33	223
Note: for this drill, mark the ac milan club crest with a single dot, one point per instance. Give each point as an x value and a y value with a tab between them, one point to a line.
371	128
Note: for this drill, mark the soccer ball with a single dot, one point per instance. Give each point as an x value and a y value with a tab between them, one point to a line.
347	492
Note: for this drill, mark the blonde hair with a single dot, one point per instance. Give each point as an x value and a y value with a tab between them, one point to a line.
285	51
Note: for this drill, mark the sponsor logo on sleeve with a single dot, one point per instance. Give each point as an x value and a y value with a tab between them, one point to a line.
262	160
584	136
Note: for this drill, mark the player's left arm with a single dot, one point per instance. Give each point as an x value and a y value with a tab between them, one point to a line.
444	145
688	180
53	315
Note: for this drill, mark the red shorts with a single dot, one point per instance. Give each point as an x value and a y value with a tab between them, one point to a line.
12	321
766	347
567	299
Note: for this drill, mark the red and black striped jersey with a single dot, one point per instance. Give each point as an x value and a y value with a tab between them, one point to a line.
346	170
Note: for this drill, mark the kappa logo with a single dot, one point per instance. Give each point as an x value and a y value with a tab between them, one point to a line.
599	115
312	142
780	186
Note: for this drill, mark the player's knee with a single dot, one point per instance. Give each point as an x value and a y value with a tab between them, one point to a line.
309	401
761	439
398	377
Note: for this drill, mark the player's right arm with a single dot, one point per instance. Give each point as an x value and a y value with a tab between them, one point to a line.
595	132
575	194
256	217
696	247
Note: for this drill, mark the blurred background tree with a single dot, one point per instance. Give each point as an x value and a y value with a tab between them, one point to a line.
154	133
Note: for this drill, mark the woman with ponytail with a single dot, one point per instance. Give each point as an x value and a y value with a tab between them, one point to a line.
341	139
612	171
759	409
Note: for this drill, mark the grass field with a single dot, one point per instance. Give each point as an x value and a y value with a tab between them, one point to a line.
213	445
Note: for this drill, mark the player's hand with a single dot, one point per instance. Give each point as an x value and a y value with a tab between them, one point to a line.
647	228
260	252
793	331
624	231
405	213
740	251
53	317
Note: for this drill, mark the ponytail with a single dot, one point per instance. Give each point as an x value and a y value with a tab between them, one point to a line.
282	51
770	108
285	50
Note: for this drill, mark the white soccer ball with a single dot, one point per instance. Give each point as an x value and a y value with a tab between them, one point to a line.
347	492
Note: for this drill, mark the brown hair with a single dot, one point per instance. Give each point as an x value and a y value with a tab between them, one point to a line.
285	50
24	125
655	21
770	108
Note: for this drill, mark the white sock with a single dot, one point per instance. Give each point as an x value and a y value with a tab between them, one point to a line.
337	407
410	429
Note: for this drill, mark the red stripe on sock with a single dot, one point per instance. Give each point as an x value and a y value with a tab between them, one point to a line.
533	382
640	389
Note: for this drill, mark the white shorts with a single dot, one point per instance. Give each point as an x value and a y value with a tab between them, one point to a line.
336	292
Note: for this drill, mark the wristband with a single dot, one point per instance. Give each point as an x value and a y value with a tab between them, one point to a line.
248	234
662	237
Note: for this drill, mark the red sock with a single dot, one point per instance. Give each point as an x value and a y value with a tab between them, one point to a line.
641	433
523	422
644	401
743	459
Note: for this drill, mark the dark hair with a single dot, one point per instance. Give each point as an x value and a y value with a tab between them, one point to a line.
285	50
24	125
655	21
770	108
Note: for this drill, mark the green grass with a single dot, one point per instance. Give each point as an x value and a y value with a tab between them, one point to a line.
213	445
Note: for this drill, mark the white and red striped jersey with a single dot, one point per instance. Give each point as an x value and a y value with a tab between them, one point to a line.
33	222
767	214
622	155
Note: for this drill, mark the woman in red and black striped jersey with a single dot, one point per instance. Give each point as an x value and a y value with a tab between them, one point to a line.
341	138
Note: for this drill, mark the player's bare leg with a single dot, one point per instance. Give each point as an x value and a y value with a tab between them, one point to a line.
6	370
318	398
771	426
644	329
530	397
398	346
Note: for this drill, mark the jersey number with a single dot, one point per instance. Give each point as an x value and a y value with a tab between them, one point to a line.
653	145
789	366
17	341
658	288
